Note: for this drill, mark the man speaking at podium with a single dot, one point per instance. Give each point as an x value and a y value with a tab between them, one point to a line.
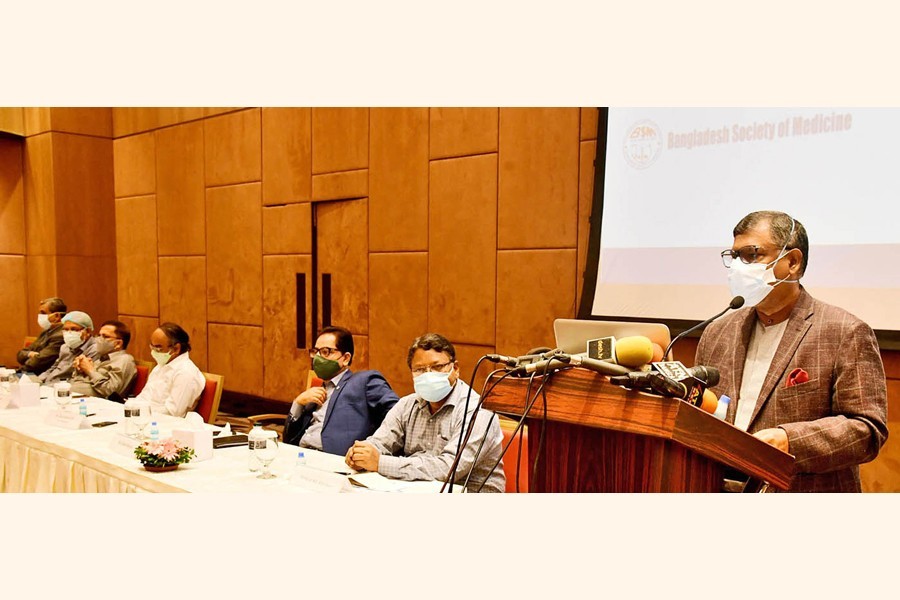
807	376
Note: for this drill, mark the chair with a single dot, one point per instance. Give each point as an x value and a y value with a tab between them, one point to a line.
29	339
140	380
208	406
275	421
509	459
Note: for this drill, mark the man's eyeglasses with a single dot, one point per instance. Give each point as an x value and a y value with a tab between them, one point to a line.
324	351
438	367
747	254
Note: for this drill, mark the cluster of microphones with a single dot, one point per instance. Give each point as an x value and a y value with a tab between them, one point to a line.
632	362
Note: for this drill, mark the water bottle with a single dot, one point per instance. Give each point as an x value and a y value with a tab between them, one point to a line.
154	431
255	439
82	408
298	466
722	408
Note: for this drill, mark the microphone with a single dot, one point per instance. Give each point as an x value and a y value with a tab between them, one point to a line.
559	361
515	361
736	303
632	351
674	380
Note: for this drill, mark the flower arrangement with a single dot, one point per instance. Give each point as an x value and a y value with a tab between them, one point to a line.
164	453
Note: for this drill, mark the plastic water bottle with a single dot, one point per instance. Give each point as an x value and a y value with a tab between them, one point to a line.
255	439
154	431
298	466
722	408
82	408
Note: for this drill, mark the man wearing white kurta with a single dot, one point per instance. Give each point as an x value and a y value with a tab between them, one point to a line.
175	384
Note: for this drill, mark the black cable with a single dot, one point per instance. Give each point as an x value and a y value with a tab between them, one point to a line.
545	379
540	439
451	475
468	431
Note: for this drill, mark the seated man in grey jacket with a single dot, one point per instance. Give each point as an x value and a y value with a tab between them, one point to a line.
77	340
113	371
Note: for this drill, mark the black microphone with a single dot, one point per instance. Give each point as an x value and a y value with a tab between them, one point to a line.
515	361
672	379
736	303
558	361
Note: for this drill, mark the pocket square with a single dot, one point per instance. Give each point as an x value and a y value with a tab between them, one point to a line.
797	376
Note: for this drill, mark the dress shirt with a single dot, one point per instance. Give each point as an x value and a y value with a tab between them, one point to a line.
175	387
113	374
313	436
62	368
760	352
417	445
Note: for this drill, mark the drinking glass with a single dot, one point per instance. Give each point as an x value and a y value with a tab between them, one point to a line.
140	416
63	394
266	453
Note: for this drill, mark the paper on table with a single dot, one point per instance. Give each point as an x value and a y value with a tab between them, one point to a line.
377	482
332	463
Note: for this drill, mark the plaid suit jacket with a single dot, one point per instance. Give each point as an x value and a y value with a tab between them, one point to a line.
837	419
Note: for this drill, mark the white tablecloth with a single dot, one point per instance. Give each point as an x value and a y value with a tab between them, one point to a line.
36	456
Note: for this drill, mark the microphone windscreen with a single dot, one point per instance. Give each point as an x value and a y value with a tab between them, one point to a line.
736	302
634	351
657	353
709	402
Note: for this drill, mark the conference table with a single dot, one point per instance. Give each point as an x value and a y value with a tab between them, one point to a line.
38	454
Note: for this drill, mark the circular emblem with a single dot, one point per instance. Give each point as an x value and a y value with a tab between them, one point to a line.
643	144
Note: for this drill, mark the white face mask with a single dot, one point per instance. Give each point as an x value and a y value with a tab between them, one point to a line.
161	358
44	321
433	386
754	281
72	339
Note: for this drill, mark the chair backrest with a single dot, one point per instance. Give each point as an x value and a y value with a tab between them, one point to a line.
509	459
208	406
140	380
29	340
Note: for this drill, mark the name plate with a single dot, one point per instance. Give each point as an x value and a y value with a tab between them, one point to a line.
123	444
22	395
320	481
67	419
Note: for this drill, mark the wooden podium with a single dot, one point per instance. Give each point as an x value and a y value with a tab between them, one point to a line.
599	437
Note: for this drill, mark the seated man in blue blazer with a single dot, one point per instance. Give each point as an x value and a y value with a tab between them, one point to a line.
349	406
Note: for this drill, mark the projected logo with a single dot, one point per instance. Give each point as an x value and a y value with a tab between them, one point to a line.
643	144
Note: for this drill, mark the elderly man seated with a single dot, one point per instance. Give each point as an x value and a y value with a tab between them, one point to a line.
115	369
77	329
44	350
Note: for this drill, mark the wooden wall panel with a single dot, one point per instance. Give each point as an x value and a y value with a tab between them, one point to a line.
234	254
12	197
398	312
14	308
135	165
340	139
467	355
88	283
398	179
534	287
235	351
286	155
181	192
585	202
462	234
343	252
341	186
233	148
463	131
83	173
182	300
589	118
41	273
287	229
141	330
538	188
82	120
131	120
361	357
37	120
881	475
137	257
285	365
40	201
12	120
